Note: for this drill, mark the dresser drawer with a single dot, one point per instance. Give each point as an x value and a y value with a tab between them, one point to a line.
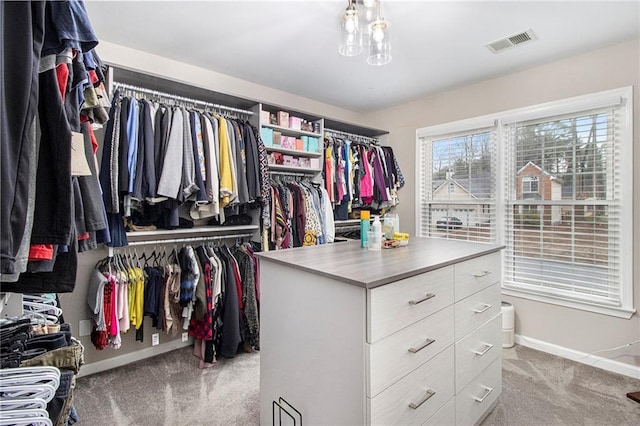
446	416
473	275
476	351
477	309
394	306
402	352
475	400
417	396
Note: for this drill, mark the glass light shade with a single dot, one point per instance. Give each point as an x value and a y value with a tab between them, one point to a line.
367	17
351	43
350	22
379	45
369	3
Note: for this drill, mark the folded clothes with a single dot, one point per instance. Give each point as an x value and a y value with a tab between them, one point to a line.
10	360
30	353
47	341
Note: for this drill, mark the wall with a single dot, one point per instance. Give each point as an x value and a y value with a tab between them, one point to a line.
74	304
608	68
613	67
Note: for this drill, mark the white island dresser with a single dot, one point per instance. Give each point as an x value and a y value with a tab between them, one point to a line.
404	336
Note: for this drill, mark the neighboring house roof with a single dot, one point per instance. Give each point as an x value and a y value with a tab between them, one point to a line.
544	172
531	196
476	187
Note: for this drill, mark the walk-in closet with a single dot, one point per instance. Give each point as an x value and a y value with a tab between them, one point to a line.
354	212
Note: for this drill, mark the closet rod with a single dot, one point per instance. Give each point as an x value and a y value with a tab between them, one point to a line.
351	136
112	250
125	86
309	175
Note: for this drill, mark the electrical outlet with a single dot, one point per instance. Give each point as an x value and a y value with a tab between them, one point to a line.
85	327
185	337
155	339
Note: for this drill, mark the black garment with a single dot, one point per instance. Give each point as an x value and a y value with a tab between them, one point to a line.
61	280
253	162
53	205
149	175
78	77
123	160
230	338
22	33
153	295
201	194
109	197
90	188
161	138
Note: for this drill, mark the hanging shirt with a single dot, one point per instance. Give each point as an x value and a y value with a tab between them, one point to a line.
171	178
132	135
226	174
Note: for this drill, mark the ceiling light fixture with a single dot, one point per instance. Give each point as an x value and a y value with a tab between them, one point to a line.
365	30
351	44
379	45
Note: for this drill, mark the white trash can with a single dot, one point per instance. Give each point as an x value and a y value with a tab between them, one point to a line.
508	325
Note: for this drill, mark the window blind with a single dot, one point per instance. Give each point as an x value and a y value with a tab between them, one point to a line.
563	232
457	188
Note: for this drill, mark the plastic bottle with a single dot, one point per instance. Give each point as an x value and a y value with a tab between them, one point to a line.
364	228
375	243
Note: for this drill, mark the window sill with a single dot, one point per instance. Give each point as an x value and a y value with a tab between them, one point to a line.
613	311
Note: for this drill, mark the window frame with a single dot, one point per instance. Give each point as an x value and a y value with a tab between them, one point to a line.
621	97
530	179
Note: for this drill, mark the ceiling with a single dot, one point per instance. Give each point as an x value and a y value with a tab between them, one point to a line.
293	45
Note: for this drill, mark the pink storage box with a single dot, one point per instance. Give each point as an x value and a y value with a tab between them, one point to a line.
295	122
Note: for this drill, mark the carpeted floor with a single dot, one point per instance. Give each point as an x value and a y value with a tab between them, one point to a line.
538	389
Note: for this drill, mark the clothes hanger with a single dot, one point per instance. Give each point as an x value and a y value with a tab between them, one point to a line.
26	421
22	404
42	390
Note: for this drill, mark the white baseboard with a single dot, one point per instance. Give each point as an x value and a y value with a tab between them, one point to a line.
581	357
119	361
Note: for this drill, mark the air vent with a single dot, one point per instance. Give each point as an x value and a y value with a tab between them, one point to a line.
510	41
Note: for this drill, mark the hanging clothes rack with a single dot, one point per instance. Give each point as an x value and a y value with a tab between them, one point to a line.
156	93
352	137
296	174
112	250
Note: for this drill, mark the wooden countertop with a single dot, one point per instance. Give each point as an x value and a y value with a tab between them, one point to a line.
349	263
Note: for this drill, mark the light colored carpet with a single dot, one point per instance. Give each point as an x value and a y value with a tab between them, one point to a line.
538	389
542	389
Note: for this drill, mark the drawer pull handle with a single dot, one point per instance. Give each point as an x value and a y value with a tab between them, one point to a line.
415	405
487	391
486	349
482	274
424	345
426	297
485	307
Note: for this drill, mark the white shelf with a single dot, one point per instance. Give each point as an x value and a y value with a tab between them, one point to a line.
291	132
297	152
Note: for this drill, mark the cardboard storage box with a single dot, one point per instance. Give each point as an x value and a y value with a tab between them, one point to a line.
276	138
283	118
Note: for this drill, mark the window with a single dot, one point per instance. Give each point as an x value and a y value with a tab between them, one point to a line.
530	184
560	197
458	192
